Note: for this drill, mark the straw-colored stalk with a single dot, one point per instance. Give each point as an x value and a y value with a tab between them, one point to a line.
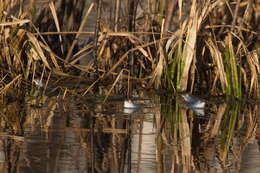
253	62
218	61
157	74
196	18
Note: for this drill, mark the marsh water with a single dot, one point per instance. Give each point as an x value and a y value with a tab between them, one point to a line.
79	134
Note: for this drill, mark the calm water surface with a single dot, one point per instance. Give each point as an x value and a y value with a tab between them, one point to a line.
82	134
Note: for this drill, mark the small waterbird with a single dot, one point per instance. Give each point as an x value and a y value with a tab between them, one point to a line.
193	102
130	107
129	104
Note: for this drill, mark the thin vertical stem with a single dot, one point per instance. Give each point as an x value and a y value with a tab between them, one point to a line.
97	27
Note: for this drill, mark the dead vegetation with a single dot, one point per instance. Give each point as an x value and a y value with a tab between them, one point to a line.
182	46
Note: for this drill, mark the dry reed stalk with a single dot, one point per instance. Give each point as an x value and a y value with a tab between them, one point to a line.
54	58
91	86
19	22
123	57
36	52
13	137
56	21
189	47
108	33
218	61
96	130
84	21
157	73
196	18
170	12
253	62
117	13
7	86
135	41
113	85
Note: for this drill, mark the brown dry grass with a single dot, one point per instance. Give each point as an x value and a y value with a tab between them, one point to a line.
208	46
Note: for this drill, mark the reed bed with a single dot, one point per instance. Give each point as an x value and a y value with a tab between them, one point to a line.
183	46
217	139
110	47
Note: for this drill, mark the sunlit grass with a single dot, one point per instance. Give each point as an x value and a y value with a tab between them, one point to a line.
155	57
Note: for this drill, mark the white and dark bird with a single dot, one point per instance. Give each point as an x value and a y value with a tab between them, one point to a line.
193	102
130	107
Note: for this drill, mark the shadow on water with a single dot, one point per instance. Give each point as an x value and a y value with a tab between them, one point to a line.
83	134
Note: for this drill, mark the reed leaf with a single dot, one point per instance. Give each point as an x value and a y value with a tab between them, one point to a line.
253	62
197	15
36	49
84	21
234	78
157	74
18	22
218	61
188	53
56	21
7	86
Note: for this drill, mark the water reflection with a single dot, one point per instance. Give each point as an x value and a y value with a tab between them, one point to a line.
51	134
